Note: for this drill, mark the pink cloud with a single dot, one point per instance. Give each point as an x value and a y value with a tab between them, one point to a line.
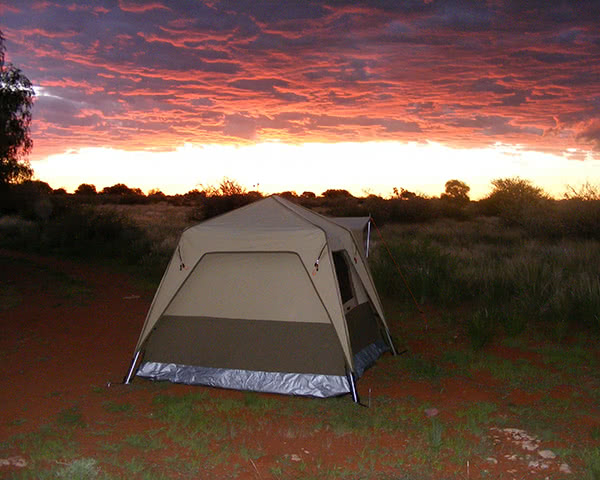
140	6
5	8
318	71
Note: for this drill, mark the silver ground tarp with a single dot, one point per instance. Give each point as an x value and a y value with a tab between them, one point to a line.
315	385
368	356
273	382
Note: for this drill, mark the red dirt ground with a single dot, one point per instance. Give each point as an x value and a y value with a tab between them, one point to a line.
63	349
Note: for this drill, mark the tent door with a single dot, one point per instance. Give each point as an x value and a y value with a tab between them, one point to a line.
344	279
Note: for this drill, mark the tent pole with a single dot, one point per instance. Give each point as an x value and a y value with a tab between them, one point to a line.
389	337
353	390
131	368
368	235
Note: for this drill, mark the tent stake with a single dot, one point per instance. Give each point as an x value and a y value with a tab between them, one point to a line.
353	390
131	369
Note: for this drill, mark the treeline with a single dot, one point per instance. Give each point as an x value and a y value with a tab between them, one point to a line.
516	201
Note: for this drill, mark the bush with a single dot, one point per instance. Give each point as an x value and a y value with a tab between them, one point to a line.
519	281
579	218
85	233
214	205
480	328
514	199
429	272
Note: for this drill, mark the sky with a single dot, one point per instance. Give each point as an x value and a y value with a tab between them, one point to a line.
307	95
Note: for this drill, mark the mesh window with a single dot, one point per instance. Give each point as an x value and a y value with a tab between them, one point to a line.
343	275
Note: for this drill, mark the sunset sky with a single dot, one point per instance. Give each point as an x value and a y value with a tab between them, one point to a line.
309	95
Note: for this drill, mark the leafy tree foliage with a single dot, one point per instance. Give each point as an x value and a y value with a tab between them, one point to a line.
227	188
517	190
515	199
336	193
456	192
156	192
403	194
86	189
16	100
121	189
289	195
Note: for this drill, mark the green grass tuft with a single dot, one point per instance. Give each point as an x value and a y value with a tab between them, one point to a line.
80	469
71	417
113	407
481	328
421	368
591	458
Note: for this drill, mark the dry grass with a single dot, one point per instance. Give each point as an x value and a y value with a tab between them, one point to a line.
162	221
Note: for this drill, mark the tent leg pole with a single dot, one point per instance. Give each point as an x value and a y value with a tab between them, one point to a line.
353	390
368	235
127	380
393	347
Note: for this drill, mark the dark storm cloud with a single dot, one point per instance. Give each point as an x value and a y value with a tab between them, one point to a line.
163	72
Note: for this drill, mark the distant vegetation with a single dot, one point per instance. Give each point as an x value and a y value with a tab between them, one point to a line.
517	202
517	257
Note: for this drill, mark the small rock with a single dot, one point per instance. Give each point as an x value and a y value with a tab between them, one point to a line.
564	468
295	458
526	445
18	462
492	460
538	464
548	454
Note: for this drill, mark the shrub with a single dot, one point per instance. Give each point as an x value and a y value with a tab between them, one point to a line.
514	199
510	280
430	273
579	218
214	205
84	232
480	328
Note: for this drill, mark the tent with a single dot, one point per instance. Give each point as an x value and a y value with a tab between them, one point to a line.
360	227
270	297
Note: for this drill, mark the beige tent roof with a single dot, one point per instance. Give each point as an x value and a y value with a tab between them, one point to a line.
357	226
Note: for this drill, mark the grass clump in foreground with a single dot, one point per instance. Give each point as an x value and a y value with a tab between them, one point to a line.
82	468
591	458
